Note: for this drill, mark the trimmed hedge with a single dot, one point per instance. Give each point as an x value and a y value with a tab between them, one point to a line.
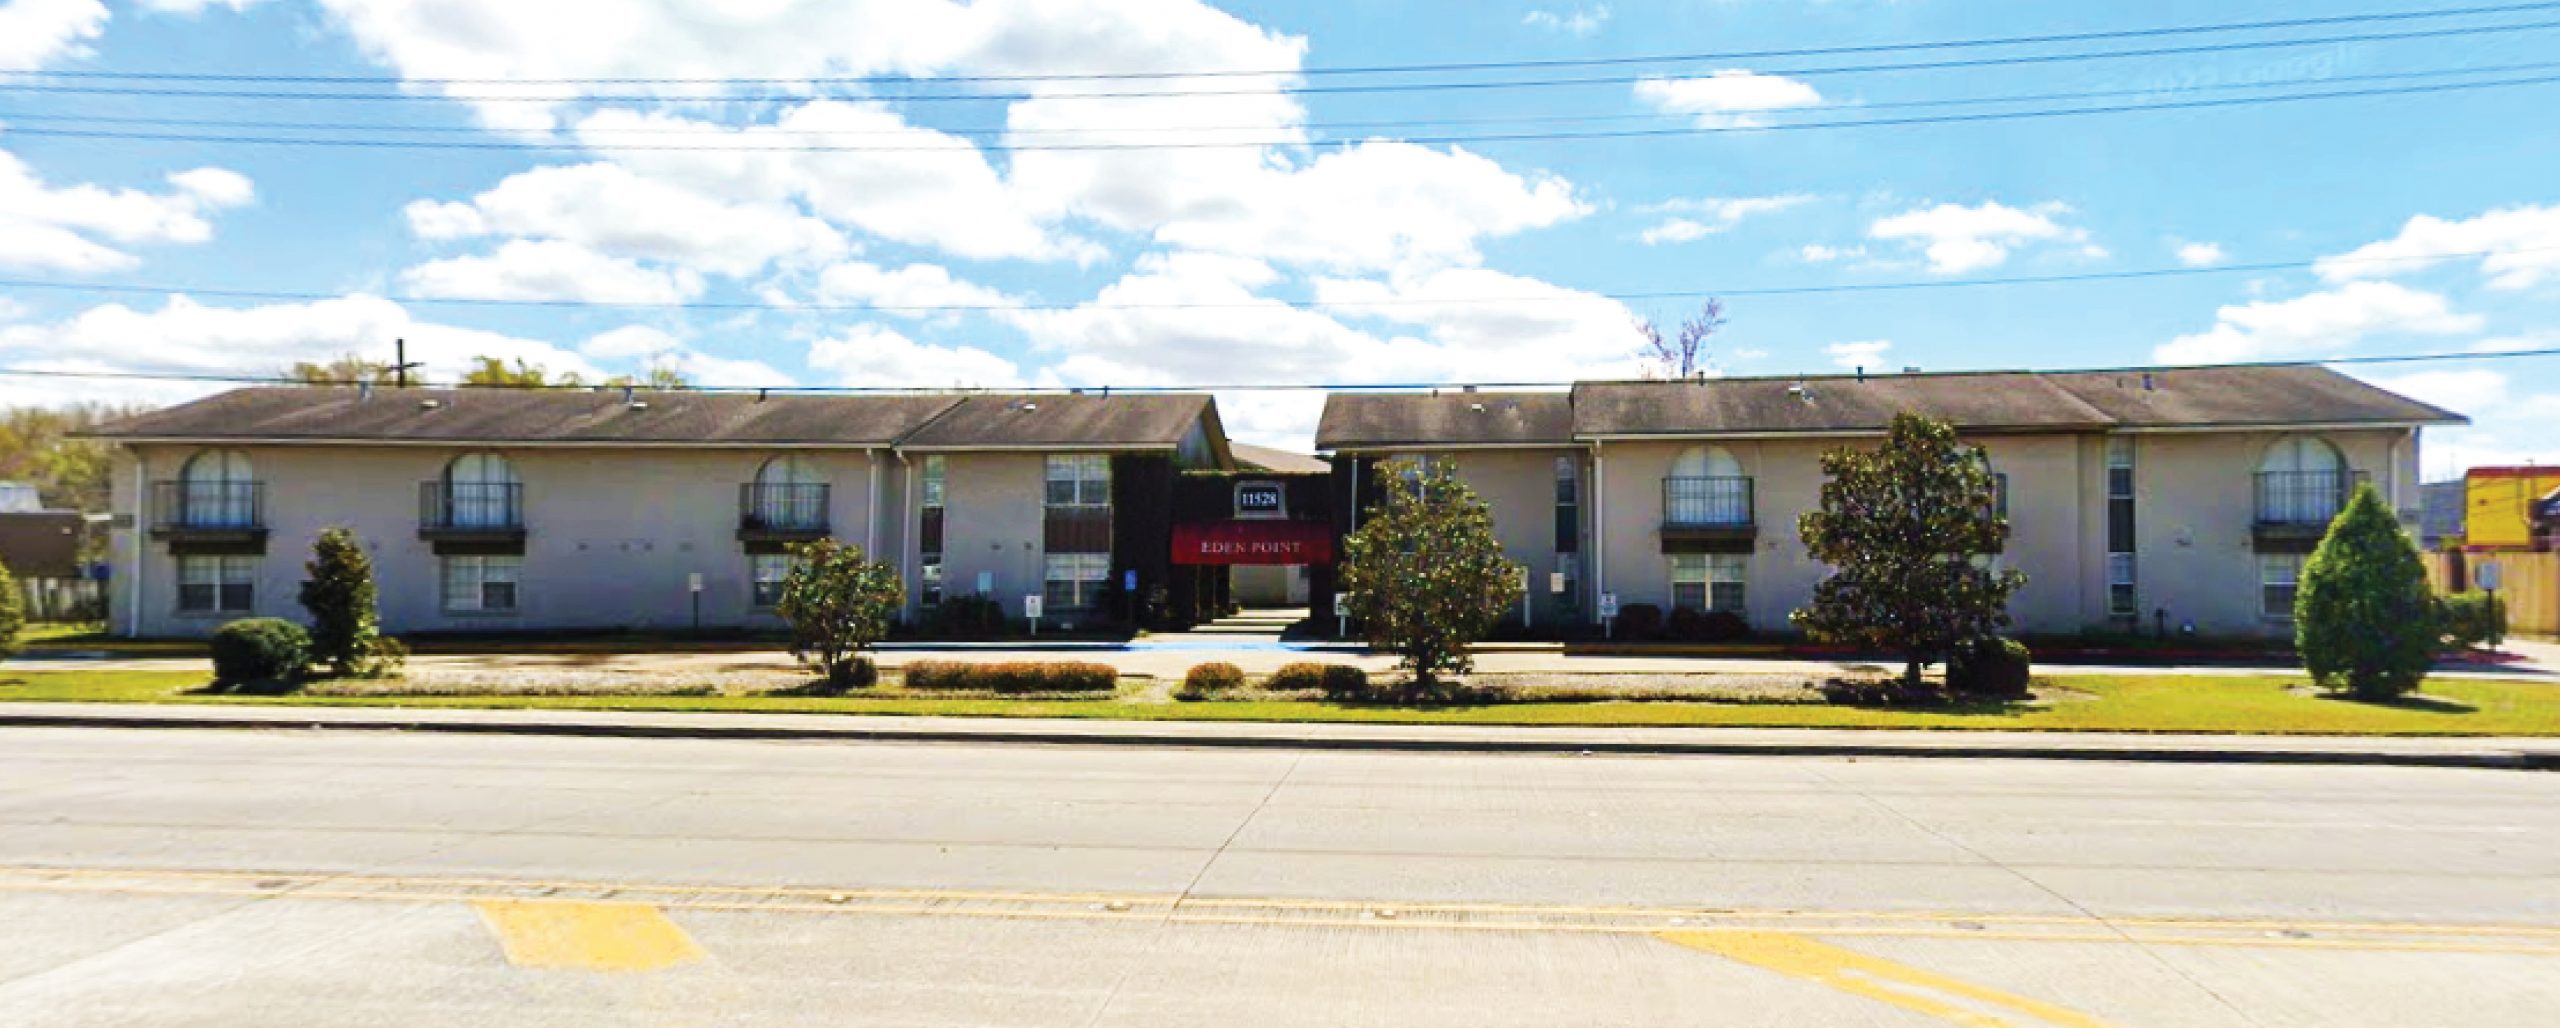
1012	676
1707	626
269	652
1340	683
966	615
2473	620
1989	666
1210	679
1639	621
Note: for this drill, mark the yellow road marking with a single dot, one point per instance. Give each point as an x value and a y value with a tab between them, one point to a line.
1876	978
570	935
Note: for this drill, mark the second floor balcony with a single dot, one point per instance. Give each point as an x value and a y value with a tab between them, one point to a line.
1708	510
209	510
2295	507
782	512
462	511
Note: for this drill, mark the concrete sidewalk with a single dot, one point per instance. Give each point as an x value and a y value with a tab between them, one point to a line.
2513	753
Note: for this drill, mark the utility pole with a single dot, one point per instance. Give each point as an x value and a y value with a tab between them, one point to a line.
400	363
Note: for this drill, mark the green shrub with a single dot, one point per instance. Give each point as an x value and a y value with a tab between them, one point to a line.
1012	677
838	604
13	612
1989	666
2473	620
346	625
966	615
2362	616
262	653
1706	626
1639	621
1210	679
1341	683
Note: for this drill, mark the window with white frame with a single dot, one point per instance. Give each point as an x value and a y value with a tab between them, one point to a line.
481	583
217	583
2120	594
2278	575
766	573
1073	581
929	534
1079	480
2122	600
1709	581
1568	506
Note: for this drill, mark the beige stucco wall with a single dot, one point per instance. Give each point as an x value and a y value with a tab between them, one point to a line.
1519	486
991	525
613	534
2194	504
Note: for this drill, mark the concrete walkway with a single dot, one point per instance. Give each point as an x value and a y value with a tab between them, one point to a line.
2487	752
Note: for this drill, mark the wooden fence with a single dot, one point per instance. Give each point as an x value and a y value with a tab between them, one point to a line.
2529	582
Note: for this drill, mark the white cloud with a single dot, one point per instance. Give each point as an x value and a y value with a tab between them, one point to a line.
550	269
60	228
1727	98
628	342
1816	253
1709	215
912	286
1376	205
195	7
613	211
873	355
2201	255
1577	21
1867	354
1958	239
650	347
33	33
2465	390
2315	324
185	336
2522	245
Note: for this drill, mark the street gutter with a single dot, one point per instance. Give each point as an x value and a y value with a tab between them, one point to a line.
2389	751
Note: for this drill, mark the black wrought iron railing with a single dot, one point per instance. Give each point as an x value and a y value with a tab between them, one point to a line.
2303	497
1706	502
208	505
783	507
471	506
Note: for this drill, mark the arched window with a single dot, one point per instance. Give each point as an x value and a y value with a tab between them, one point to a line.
1706	487
217	489
483	492
2302	480
789	493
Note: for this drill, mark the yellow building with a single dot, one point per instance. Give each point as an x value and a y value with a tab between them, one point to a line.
2498	505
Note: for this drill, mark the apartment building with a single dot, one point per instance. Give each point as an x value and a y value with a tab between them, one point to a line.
500	510
2181	499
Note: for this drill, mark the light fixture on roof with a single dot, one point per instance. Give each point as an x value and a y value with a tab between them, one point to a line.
430	403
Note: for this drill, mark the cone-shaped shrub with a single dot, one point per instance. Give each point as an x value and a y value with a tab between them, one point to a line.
2362	616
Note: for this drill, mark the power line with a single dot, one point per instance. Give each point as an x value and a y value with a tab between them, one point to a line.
1234	387
1373	69
1427	140
1581	297
762	130
1383	87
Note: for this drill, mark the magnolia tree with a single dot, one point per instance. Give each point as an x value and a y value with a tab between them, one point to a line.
839	604
1901	527
2362	616
1425	574
346	623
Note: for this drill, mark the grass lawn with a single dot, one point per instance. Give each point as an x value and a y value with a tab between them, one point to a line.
2105	703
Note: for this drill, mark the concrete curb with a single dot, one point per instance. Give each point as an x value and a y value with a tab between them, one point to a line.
2492	758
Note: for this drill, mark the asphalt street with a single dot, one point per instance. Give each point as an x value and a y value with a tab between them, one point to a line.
277	877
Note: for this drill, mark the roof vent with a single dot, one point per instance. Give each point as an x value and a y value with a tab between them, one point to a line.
1476	407
430	403
2147	384
639	405
1910	369
1468	388
1797	391
630	395
364	390
1862	376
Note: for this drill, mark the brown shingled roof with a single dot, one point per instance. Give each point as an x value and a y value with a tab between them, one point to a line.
1830	403
343	414
2293	394
1264	458
1370	421
1127	421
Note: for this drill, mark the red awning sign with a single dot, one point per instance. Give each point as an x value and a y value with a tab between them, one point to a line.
1253	542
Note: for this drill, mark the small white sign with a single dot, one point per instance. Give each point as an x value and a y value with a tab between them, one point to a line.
693	582
1608	605
1342	605
1031	606
2487	576
986	583
1555	582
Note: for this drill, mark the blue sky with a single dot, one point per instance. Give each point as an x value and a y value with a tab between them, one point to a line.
1432	261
